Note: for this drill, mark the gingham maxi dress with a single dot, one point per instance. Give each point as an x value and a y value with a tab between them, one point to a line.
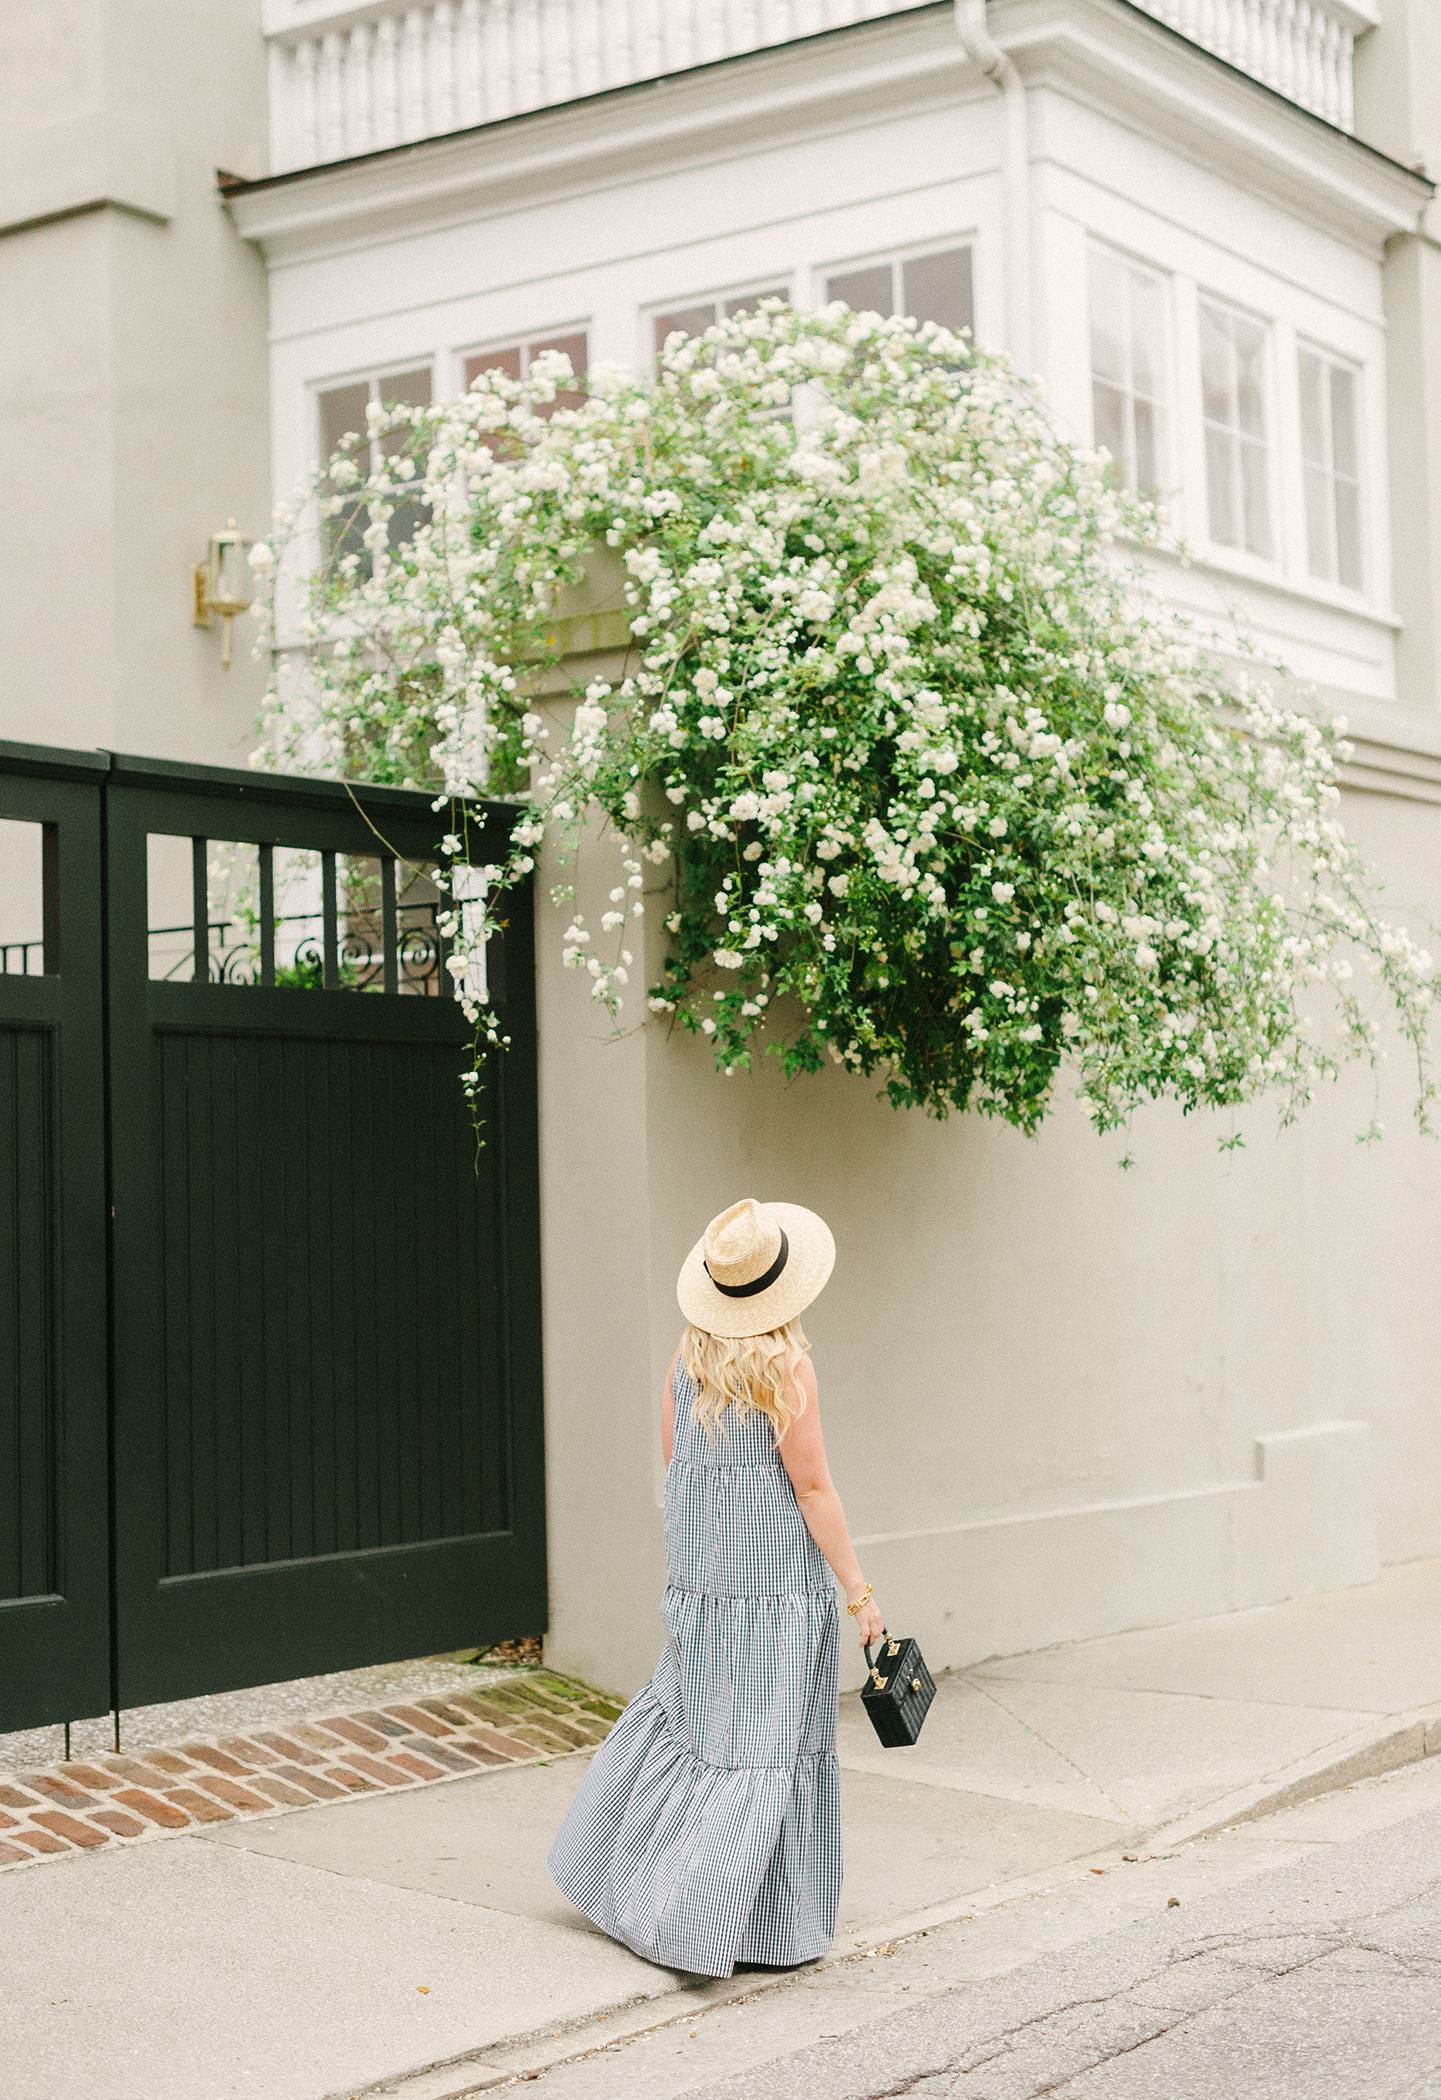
707	1830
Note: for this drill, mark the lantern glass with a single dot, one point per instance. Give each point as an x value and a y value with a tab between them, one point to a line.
229	587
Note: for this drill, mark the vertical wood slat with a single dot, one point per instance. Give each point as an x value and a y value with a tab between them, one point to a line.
200	907
28	1454
330	923
266	855
389	924
331	1386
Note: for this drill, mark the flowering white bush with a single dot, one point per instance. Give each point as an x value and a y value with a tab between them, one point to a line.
942	792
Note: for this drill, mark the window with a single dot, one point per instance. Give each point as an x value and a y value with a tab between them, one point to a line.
516	359
1233	392
1128	357
695	320
923	287
342	411
1331	451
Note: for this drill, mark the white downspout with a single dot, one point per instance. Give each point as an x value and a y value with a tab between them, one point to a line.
986	54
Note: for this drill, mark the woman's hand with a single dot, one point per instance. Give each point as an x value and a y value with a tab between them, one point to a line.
869	1623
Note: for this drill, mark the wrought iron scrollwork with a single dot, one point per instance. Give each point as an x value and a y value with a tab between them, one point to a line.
234	953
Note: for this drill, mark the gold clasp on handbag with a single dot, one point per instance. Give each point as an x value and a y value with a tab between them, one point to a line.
915	1684
895	1648
878	1681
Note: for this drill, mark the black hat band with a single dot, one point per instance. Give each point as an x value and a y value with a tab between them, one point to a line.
762	1283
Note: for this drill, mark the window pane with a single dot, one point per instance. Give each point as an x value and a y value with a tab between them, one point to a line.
1109	406
1250	377
1256	498
507	361
1311	374
1216	376
1146	479
1221	489
864	291
1349	566
749	301
1148	337
688	320
1344	448
573	347
342	412
1320	559
1108	318
405	389
938	288
22	900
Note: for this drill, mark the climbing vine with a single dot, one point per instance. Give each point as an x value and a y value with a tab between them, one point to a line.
921	775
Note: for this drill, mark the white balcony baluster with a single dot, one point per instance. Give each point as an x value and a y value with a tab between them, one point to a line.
469	76
412	69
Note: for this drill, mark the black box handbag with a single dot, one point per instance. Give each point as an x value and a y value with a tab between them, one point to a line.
898	1692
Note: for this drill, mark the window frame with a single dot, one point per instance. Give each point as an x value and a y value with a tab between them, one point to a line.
372	379
1334	361
1168	486
1278	508
495	346
764	287
897	257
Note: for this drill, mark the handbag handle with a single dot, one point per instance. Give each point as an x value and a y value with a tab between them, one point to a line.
885	1636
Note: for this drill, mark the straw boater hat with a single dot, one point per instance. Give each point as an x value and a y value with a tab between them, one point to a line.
756	1266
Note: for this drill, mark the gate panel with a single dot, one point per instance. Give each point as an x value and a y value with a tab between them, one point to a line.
327	1380
54	1489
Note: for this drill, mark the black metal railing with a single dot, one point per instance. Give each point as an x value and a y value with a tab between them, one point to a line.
366	958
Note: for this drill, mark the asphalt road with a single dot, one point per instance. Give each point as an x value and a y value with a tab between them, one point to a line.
1300	1957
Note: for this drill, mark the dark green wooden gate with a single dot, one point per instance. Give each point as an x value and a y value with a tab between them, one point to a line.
324	1443
54	1492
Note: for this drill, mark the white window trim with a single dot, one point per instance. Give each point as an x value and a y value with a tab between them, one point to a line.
1346	593
1240	560
910	251
371	376
453	362
783	281
1168	454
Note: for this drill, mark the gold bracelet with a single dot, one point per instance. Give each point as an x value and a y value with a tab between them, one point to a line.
861	1602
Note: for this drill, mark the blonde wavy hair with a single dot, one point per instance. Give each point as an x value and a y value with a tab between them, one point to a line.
752	1372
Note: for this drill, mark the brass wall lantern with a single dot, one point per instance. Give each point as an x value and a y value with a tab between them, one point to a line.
221	583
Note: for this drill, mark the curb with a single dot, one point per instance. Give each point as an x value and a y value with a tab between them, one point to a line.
1406	1739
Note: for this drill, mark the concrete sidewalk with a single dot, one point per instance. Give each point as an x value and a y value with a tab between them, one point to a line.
413	1942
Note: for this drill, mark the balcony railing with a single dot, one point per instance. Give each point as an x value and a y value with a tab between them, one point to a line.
1301	48
349	79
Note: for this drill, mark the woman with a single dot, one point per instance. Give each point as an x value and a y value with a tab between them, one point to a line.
707	1830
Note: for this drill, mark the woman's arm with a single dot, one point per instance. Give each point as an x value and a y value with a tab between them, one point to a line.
667	1408
803	1454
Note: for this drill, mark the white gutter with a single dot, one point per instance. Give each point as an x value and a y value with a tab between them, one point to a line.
987	56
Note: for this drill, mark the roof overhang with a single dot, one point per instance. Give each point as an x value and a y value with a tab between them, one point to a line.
1107	54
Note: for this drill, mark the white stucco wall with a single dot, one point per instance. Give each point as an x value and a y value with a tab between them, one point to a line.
133	367
1060	1398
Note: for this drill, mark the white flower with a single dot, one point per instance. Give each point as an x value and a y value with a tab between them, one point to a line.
1003	891
814	913
997	827
838	885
